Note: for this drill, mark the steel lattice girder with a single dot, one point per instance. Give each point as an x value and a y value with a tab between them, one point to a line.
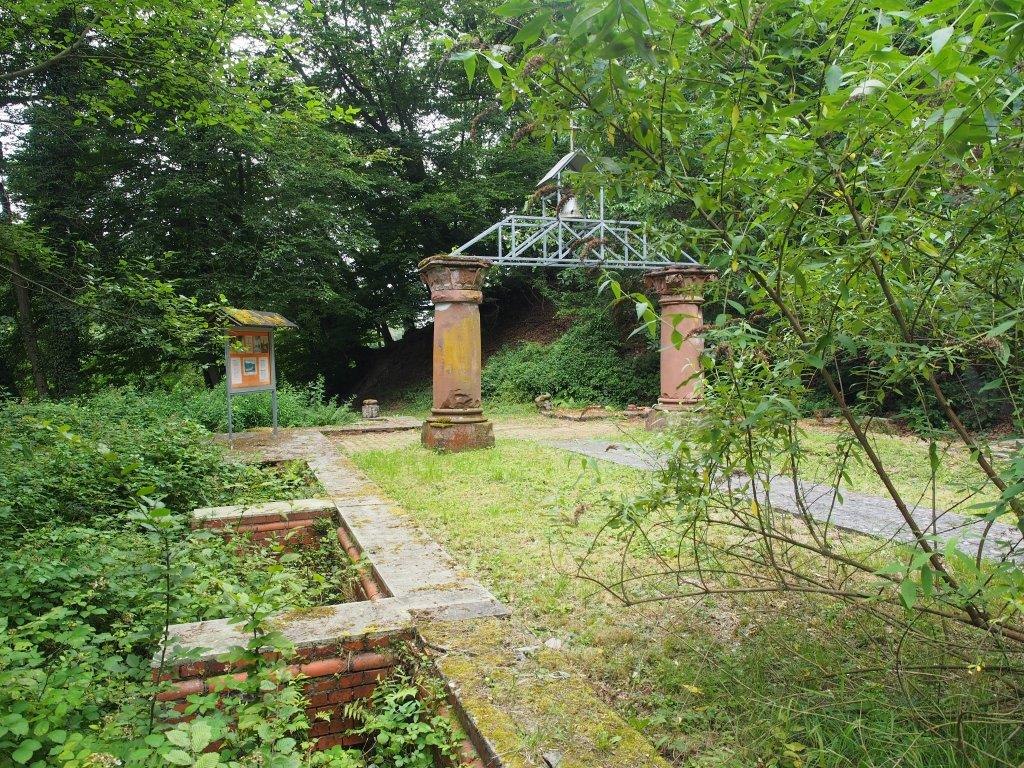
563	241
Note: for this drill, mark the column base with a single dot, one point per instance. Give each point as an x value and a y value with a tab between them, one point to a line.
447	436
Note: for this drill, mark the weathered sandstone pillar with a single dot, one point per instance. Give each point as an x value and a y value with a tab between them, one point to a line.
680	294
456	421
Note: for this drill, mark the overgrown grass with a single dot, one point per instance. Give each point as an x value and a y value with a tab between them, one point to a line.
957	477
772	681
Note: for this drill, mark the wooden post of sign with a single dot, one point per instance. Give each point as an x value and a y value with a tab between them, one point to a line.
227	386
273	391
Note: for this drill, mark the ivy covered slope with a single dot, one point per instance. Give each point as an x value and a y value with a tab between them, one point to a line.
592	355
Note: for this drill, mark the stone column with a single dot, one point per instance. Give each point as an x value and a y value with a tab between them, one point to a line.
456	421
680	294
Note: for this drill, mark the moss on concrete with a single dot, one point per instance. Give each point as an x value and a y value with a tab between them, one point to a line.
528	703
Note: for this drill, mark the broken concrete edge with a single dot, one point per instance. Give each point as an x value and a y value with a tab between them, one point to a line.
338	624
486	752
282	510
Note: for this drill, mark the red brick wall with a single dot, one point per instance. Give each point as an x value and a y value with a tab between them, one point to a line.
334	675
296	527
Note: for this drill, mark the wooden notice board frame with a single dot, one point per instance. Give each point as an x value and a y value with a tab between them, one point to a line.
249	361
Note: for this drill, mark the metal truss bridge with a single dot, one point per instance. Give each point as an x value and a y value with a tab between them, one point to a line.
563	237
570	241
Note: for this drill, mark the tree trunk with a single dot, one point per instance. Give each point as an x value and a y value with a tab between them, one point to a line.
21	296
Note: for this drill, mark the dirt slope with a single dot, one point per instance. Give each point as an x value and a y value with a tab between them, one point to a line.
407	364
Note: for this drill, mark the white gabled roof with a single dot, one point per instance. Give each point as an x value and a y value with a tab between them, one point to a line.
574	161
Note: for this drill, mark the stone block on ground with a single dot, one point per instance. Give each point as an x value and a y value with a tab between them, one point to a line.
525	707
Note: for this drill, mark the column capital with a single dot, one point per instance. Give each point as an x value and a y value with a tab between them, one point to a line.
454	279
680	285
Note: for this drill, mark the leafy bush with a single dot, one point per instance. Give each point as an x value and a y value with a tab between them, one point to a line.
77	463
404	730
588	364
297	406
96	566
80	462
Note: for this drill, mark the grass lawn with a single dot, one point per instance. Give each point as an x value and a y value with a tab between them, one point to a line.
770	681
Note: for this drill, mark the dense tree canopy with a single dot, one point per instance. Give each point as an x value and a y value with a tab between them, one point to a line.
301	160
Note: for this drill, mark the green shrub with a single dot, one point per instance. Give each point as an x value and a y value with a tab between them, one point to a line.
297	406
402	724
79	462
95	567
588	364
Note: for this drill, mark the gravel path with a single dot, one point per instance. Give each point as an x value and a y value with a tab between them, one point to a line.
872	515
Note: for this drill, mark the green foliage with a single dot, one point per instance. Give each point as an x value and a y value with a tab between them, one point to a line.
115	443
336	757
854	175
95	569
274	482
84	610
121	440
176	59
166	168
586	365
404	730
259	717
297	406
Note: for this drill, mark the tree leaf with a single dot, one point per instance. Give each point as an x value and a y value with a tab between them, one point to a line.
927	581
178	757
908	593
178	738
579	21
513	8
1000	329
940	37
531	30
470	64
833	78
495	76
950	120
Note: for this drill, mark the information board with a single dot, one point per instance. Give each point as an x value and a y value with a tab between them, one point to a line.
250	365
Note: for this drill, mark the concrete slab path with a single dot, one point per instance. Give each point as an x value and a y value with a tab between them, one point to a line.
871	515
